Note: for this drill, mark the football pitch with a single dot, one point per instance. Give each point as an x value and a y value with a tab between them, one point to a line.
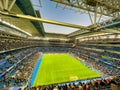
58	68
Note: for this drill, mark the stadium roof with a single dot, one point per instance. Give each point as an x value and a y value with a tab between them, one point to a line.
42	18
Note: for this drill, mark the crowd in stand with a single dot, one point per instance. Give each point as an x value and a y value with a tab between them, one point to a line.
7	44
91	57
10	42
113	57
15	68
23	74
100	84
94	59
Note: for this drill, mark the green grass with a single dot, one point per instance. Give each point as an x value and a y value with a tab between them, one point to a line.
58	68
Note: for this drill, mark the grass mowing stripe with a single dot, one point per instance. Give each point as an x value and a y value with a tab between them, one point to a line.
36	71
59	68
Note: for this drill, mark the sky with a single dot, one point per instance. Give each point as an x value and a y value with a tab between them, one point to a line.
49	11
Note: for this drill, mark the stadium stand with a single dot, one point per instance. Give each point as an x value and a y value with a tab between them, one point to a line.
95	56
13	65
23	42
90	85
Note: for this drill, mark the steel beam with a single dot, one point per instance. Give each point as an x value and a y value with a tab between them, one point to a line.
1	4
108	9
95	13
11	5
42	20
90	17
100	15
5	4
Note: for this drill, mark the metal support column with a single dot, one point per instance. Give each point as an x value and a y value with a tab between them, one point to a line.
11	5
